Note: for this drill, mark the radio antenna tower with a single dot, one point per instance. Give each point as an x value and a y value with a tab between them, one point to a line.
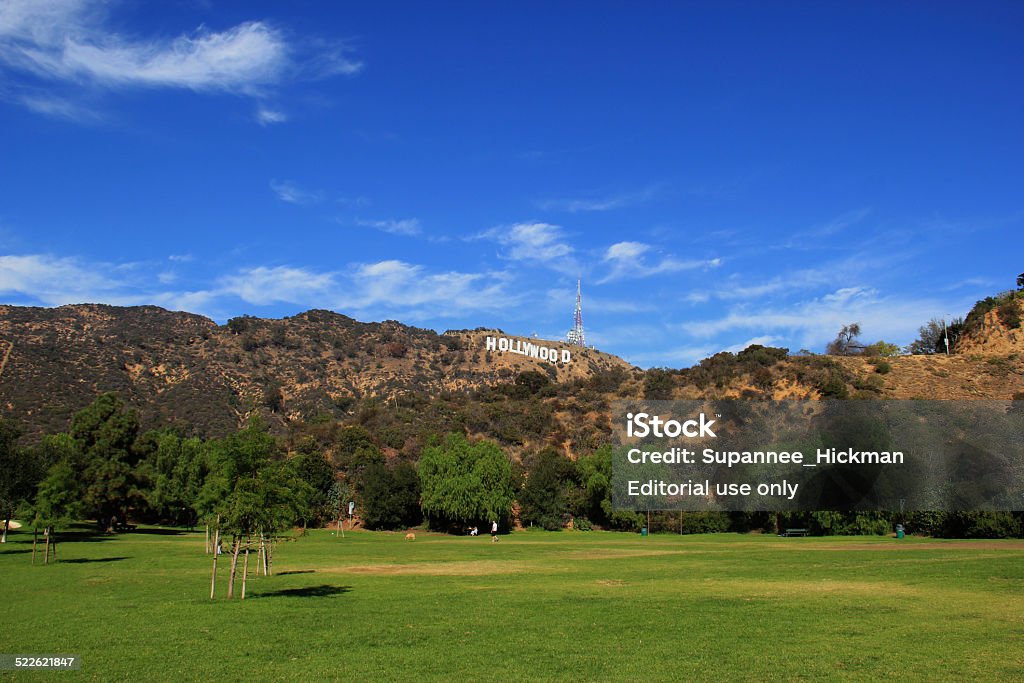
575	335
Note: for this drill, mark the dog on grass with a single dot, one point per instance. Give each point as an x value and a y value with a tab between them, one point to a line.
410	536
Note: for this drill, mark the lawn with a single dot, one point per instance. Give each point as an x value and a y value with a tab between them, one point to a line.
535	606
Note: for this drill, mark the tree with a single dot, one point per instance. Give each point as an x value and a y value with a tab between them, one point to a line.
103	434
251	489
883	349
932	336
658	384
56	504
20	472
845	342
595	476
544	497
390	496
1020	281
311	466
465	482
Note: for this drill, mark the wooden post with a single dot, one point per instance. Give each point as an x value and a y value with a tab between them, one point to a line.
207	539
266	555
216	547
245	569
235	547
46	545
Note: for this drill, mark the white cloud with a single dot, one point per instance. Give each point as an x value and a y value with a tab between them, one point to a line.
389	288
405	226
288	191
267	117
606	203
281	284
812	323
539	242
836	225
60	108
70	42
626	261
397	287
55	281
626	250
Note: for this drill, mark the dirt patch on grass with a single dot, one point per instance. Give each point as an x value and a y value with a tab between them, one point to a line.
775	589
612	554
469	568
612	583
927	545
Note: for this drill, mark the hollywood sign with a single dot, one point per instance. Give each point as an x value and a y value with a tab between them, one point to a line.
548	353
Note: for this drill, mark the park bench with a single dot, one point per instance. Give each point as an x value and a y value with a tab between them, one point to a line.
121	526
796	532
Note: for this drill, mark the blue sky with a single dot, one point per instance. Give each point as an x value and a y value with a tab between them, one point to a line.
718	173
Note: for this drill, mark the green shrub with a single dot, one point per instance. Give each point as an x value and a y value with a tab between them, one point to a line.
582	524
1008	313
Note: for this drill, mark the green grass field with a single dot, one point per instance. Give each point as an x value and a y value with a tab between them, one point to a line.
536	606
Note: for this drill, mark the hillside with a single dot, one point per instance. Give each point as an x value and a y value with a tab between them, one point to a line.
185	370
993	327
308	372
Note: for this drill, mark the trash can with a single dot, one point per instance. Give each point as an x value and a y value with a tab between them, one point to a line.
643	532
899	531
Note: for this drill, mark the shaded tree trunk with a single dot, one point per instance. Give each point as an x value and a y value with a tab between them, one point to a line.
207	539
35	537
7	525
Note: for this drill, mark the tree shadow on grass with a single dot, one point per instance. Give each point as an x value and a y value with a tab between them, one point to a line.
5	551
296	571
321	591
157	531
90	560
78	536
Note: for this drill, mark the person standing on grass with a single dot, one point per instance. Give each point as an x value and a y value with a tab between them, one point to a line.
494	532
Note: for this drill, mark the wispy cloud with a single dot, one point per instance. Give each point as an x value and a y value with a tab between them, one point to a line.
268	117
405	226
605	203
281	284
541	243
54	281
69	42
820	235
60	108
288	191
388	288
626	260
811	323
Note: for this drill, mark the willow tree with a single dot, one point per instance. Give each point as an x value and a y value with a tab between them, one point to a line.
465	482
